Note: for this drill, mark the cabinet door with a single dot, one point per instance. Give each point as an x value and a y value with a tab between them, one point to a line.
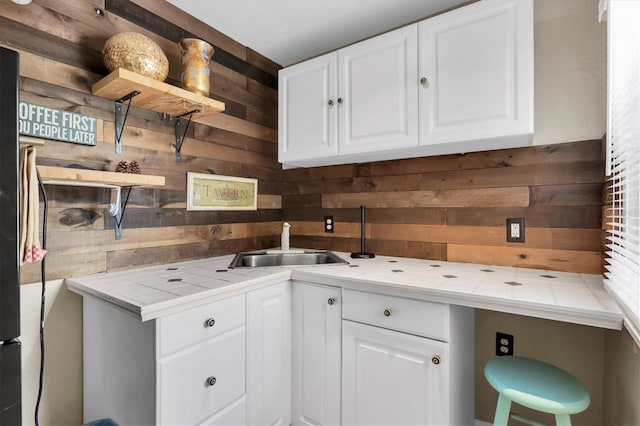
378	87
478	63
269	355
390	378
316	355
307	110
202	380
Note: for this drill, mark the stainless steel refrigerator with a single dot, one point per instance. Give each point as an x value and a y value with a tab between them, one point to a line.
10	370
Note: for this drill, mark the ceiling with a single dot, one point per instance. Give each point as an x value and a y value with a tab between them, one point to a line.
289	31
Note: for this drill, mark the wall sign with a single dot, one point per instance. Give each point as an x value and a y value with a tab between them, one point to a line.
49	123
215	192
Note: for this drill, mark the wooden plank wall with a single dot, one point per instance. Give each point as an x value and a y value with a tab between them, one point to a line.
448	207
60	44
455	207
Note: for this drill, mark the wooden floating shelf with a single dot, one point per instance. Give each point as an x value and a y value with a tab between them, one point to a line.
155	95
99	177
30	140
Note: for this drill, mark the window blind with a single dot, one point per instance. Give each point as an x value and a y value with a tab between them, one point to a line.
622	276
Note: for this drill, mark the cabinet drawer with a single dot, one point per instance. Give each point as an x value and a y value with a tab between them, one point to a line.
234	414
202	381
179	331
412	316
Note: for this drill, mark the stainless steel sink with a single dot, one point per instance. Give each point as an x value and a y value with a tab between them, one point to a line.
264	258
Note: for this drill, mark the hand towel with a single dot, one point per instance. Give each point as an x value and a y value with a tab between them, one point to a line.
30	250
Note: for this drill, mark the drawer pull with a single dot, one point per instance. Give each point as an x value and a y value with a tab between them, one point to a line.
211	381
435	359
387	312
331	301
210	322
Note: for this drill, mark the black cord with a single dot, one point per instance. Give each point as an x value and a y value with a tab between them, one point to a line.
44	284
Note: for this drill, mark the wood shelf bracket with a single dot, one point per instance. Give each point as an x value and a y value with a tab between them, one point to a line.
116	207
180	136
119	120
156	96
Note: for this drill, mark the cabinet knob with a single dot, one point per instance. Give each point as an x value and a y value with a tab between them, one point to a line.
436	359
211	381
424	81
387	312
339	100
331	301
210	322
330	102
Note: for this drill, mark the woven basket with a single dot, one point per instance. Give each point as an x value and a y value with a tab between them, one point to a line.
136	52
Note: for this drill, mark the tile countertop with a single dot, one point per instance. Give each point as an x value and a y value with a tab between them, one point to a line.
156	291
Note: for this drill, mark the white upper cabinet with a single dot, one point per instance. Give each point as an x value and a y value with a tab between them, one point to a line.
308	113
459	82
378	100
476	73
358	100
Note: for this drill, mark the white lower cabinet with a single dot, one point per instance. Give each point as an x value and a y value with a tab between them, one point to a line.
391	377
182	369
203	380
233	415
291	353
316	344
269	355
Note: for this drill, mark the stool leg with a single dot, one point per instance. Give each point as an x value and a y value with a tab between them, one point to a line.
563	420
502	411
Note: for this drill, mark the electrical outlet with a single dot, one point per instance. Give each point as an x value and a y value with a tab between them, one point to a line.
329	224
504	344
515	230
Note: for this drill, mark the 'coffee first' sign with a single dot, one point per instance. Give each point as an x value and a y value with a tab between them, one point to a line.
49	123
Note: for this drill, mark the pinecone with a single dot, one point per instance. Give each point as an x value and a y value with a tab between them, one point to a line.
133	167
122	167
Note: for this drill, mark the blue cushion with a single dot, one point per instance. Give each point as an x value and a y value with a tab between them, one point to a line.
101	422
537	385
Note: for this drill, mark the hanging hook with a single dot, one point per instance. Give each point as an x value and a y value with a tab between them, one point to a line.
114	205
117	209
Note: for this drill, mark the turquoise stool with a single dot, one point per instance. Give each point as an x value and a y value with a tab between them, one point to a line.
536	385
